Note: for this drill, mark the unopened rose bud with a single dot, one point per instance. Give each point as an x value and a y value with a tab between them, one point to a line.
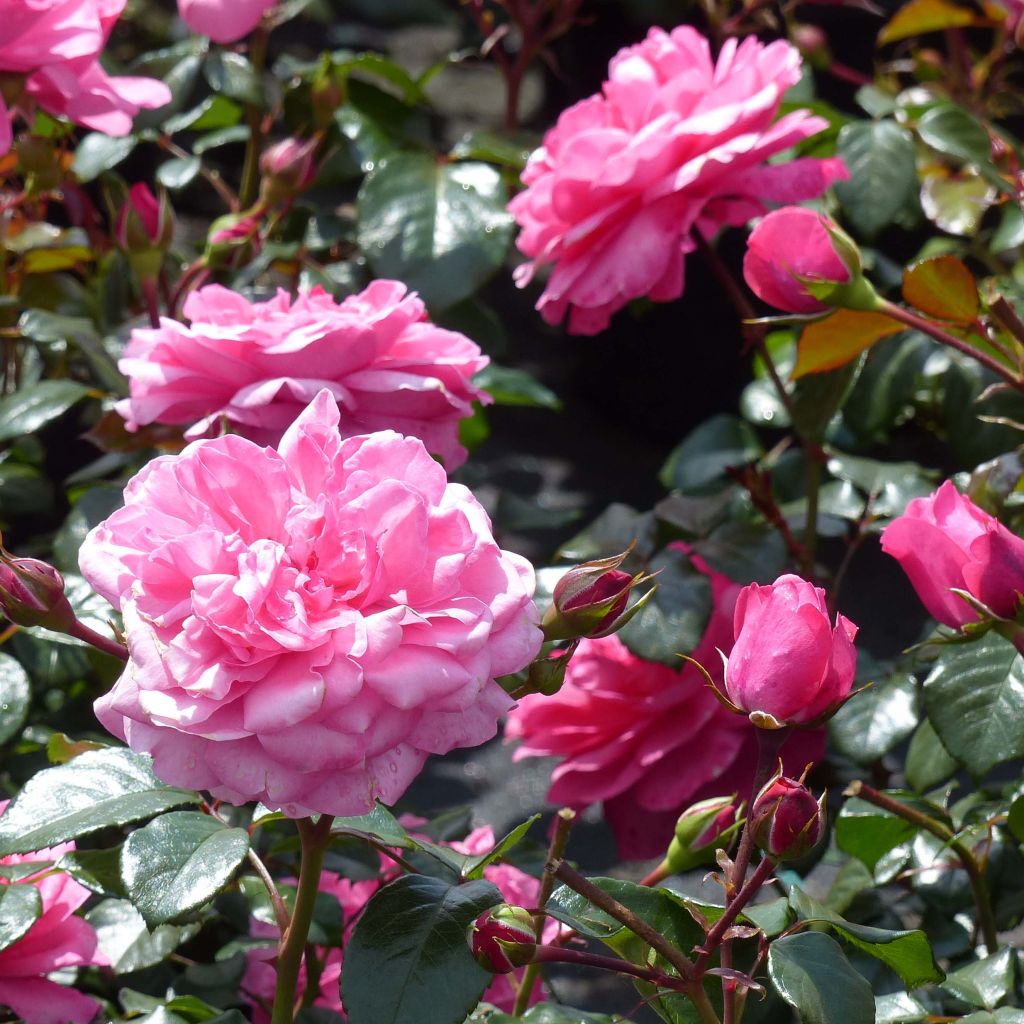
812	42
503	938
786	820
145	226
590	600
32	594
701	831
234	239
287	168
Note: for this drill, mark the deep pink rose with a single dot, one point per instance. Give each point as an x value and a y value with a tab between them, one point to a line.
307	624
787	820
57	940
258	364
945	541
224	21
646	739
56	45
787	242
676	145
788	661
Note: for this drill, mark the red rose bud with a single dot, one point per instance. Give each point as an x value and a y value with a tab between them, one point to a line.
144	229
287	169
786	819
590	600
234	239
503	938
32	594
701	831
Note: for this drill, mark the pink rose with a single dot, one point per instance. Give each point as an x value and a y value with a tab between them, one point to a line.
787	661
626	730
55	941
787	820
56	45
945	541
307	624
788	242
224	21
257	364
675	146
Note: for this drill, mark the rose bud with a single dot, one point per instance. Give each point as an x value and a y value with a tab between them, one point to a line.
946	543
32	594
789	665
590	600
234	239
287	169
798	260
503	938
701	831
786	820
144	229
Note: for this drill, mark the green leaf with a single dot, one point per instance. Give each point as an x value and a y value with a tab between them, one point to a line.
745	552
127	942
1004	1015
380	823
44	326
721	442
974	697
91	508
898	1008
98	152
30	409
98	870
178	862
413	934
508	386
942	287
985	982
179	172
15	697
441	228
883	174
811	973
231	74
868	833
474	867
20	908
890	485
24	491
98	789
953	131
956	202
610	533
835	340
908	953
928	762
672	622
1015	819
920	16
874	722
542	1013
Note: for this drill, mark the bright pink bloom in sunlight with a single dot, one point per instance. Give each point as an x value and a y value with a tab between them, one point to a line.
945	541
307	624
674	147
257	365
791	241
224	21
788	661
646	739
56	45
58	939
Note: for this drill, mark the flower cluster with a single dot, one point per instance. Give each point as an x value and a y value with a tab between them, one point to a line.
307	624
674	149
258	364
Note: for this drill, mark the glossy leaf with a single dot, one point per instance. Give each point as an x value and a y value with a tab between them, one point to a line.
928	762
408	961
875	721
15	697
544	1013
953	131
232	75
920	16
956	202
899	1008
974	697
127	942
178	862
98	870
440	228
985	982
98	789
31	408
379	823
474	867
721	442
509	386
840	337
890	485
20	908
745	552
942	287
98	152
869	833
179	172
811	973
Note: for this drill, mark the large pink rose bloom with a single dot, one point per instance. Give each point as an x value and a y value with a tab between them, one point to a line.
944	542
56	45
645	738
674	146
258	364
788	660
223	21
57	940
307	624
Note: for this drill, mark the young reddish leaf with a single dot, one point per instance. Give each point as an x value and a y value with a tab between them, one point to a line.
942	287
835	340
926	16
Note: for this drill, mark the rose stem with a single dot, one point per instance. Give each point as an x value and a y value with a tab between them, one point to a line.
314	838
559	838
560	955
254	147
986	919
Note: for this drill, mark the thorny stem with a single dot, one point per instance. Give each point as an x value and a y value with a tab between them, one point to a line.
276	900
560	955
556	851
216	182
982	902
80	631
293	940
